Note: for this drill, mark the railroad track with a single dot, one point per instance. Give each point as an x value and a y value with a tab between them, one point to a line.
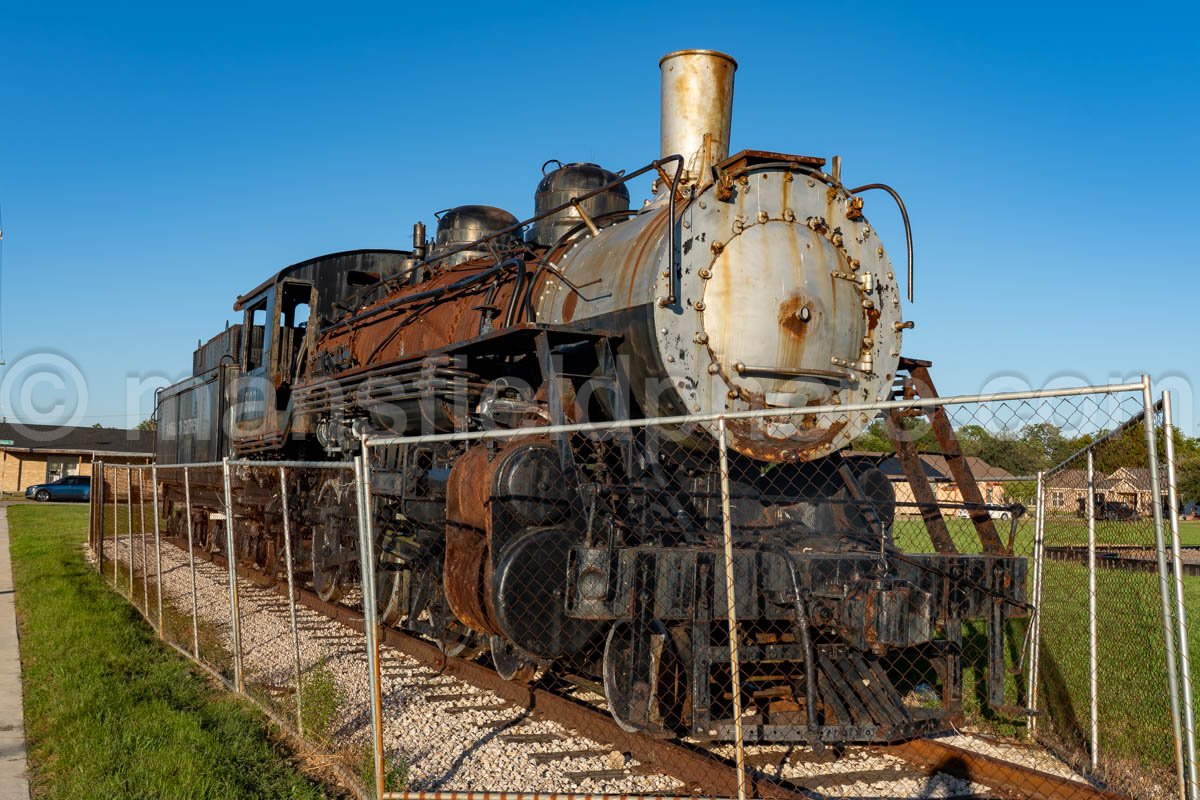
702	771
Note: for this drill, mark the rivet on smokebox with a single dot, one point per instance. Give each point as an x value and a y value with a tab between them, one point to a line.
700	338
717	246
705	274
698	305
789	215
763	216
713	369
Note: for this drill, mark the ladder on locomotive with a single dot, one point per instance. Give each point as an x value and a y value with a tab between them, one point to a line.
913	382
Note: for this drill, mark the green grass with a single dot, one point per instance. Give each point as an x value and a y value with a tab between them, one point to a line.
110	711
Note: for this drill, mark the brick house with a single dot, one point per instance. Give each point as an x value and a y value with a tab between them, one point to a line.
1066	489
990	479
32	454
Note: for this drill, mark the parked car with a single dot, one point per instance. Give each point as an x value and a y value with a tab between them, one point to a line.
995	512
1109	510
72	487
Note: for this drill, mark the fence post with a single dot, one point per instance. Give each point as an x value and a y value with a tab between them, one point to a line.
98	501
187	502
287	556
731	608
145	550
116	529
1035	621
1164	581
1185	660
157	548
366	563
1093	641
231	562
129	525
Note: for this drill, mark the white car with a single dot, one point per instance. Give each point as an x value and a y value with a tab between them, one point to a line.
994	513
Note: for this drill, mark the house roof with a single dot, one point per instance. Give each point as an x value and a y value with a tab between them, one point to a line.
1137	477
934	466
60	439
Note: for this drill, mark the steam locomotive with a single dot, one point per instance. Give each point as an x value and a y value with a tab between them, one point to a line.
748	282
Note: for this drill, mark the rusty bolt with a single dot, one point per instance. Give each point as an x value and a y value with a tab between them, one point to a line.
687	224
717	246
743	180
670	359
811	182
713	369
855	263
705	274
868	342
787	177
868	303
837	238
734	393
789	215
762	215
700	338
699	305
879	252
702	205
854	208
903	326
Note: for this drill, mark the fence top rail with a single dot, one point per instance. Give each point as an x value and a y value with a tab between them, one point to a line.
233	462
885	405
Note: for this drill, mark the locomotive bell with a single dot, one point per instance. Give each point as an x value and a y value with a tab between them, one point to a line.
567	182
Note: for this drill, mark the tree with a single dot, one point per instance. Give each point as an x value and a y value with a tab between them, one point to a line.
149	425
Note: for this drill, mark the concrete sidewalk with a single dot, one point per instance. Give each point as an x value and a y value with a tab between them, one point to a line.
14	783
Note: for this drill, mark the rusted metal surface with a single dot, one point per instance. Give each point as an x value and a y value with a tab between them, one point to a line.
1006	778
420	319
467	567
697	107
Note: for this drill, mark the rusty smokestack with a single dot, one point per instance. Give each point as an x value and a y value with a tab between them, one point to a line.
697	105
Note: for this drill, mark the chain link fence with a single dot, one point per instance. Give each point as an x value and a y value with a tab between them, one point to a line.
979	598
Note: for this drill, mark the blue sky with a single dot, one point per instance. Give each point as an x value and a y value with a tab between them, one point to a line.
157	160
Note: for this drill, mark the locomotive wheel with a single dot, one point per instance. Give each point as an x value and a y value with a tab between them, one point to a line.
509	662
665	701
328	569
326	577
391	589
266	560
